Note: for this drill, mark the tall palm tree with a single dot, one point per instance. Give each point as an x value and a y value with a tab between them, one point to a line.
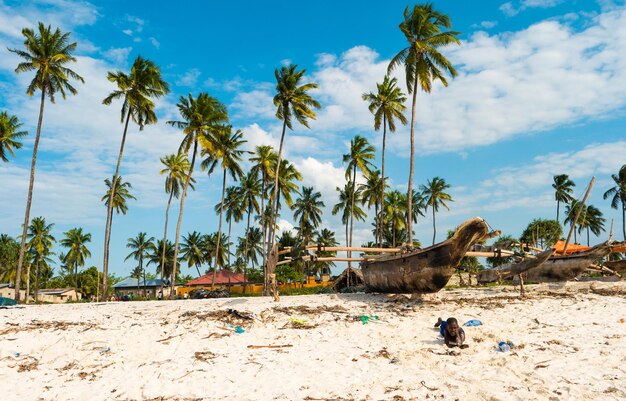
176	168
223	147
191	250
211	253
435	196
136	273
48	53
264	160
164	250
395	213
9	135
249	191
115	200
423	27
419	207
386	104
201	115
308	210
325	237
618	192
137	91
141	247
370	195
76	241
591	220
9	252
233	208
360	156
563	189
292	100
345	206
40	241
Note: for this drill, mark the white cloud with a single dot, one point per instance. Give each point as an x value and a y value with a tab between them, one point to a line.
512	8
117	55
128	32
155	43
286	62
486	24
190	78
253	104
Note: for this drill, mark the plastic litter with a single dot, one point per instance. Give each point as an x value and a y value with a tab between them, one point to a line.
366	319
503	346
104	350
473	322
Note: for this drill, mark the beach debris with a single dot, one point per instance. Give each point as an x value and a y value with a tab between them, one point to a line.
104	350
163	340
217	335
423	383
503	346
367	318
473	322
270	346
295	323
204	356
241	315
28	366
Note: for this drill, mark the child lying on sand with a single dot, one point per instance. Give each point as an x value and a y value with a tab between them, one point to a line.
452	333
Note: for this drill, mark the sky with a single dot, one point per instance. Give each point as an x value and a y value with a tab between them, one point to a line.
541	90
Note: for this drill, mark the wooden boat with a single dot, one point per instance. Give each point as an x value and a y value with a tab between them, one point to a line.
506	272
424	270
567	267
618	266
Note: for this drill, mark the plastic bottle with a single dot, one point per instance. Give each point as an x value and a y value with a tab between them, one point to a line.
503	346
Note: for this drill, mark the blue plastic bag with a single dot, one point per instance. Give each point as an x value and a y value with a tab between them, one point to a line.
473	322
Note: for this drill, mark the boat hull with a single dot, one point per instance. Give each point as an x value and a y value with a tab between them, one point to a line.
425	270
494	275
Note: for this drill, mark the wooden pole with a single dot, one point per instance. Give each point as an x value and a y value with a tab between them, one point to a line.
611	232
580	209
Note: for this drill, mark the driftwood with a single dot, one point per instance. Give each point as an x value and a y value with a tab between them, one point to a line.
493	275
425	270
618	266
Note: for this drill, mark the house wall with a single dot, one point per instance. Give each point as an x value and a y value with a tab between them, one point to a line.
10	293
60	298
151	292
257	288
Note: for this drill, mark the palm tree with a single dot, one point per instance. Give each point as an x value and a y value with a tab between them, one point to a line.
233	208
618	192
47	53
9	252
345	204
395	213
223	147
249	190
419	207
563	189
325	237
164	250
570	214
287	178
264	160
136	273
117	203
370	195
176	168
200	115
434	195
191	250
308	210
386	104
9	135
209	248
423	64
361	152
136	90
40	241
142	247
76	241
591	219
292	100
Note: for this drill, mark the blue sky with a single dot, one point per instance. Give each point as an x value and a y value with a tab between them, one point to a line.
541	91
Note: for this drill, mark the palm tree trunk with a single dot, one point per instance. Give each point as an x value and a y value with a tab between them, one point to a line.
587	236
624	219
27	283
434	226
382	190
272	232
76	275
409	225
145	289
37	281
557	211
347	242
245	266
377	220
180	217
352	211
198	270
29	199
230	226
219	231
109	222
167	212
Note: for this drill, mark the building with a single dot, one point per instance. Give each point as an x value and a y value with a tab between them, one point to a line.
58	295
129	287
8	291
222	278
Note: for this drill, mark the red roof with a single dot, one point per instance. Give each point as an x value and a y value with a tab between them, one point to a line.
222	277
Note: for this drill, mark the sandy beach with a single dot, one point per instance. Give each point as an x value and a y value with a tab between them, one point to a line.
569	343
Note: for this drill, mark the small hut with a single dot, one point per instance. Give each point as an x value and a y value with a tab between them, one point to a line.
352	276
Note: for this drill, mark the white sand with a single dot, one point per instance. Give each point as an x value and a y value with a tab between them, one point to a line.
570	345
